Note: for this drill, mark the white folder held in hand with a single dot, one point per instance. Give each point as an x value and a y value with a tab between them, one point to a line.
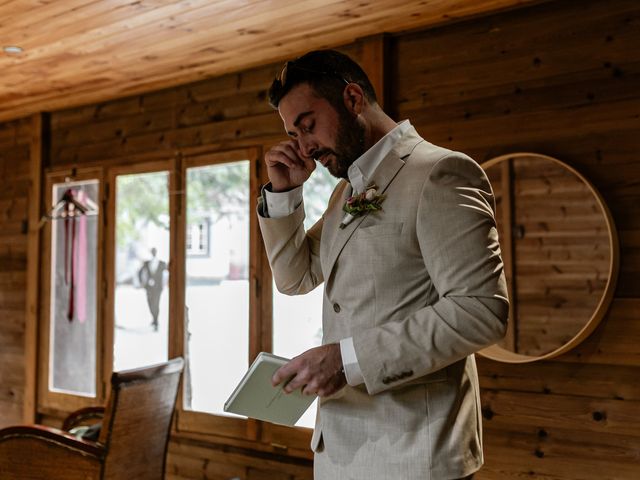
255	397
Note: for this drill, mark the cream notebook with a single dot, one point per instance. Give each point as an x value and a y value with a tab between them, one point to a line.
255	397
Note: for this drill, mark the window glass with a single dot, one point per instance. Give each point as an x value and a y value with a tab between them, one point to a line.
141	270
74	241
297	320
217	283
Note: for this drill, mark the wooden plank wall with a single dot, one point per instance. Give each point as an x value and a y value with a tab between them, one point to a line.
561	79
15	139
560	248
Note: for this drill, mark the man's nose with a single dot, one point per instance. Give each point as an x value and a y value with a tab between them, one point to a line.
307	147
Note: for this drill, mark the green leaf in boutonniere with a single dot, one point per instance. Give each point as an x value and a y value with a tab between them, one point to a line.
356	205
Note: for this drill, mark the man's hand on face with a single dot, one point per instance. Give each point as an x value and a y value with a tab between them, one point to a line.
318	371
287	167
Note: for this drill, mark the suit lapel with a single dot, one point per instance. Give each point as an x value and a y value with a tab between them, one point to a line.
333	215
382	178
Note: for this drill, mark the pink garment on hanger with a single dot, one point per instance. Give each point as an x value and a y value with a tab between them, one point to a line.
72	269
81	265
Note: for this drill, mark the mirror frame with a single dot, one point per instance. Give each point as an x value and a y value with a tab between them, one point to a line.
498	353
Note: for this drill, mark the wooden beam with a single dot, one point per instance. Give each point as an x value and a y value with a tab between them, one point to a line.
508	254
374	62
37	148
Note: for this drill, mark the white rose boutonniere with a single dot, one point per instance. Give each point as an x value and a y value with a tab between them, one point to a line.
356	205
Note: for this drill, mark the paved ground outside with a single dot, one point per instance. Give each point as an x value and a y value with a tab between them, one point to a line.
218	341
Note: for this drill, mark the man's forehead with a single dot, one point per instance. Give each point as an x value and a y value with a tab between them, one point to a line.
299	99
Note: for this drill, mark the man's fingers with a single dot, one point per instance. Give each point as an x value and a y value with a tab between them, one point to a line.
275	157
295	379
284	153
311	384
316	371
336	383
296	383
311	389
283	373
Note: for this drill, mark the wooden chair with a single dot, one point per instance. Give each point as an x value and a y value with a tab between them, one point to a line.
132	442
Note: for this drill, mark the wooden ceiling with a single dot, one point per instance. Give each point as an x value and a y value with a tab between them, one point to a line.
87	51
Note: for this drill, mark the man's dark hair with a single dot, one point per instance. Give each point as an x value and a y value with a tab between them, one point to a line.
327	72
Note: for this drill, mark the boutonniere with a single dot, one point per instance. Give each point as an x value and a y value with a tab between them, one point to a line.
356	205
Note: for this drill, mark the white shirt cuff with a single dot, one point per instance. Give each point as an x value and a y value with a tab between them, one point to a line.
282	204
350	362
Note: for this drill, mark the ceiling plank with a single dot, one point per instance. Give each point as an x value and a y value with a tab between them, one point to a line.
83	51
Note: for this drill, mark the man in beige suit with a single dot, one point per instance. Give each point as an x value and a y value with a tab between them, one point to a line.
413	280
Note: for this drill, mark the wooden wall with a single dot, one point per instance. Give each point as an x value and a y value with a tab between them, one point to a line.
560	78
15	141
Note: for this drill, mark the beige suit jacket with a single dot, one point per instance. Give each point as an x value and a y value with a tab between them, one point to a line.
420	287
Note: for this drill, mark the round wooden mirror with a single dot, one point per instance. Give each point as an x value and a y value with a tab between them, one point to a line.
560	251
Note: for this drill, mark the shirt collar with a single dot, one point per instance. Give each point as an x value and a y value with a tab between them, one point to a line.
362	169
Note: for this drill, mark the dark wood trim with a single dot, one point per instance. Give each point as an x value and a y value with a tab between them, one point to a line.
36	161
508	252
56	436
82	415
177	277
374	61
127	376
245	447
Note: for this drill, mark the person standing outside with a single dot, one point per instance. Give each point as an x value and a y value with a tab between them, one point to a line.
408	253
151	277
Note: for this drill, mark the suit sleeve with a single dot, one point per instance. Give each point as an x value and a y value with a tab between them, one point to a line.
458	241
294	255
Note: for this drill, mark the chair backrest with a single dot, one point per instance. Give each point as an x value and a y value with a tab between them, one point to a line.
137	421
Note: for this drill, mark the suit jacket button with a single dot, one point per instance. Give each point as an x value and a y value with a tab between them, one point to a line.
336	308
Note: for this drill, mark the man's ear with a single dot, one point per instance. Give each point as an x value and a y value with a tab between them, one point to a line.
353	97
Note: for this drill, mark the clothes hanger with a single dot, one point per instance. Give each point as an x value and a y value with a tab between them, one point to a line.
70	207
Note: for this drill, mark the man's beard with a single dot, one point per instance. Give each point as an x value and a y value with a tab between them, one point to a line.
350	145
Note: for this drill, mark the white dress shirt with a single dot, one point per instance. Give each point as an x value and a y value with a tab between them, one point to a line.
281	204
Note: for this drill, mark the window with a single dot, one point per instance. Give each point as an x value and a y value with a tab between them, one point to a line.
218	288
70	317
142	246
217	284
73	271
198	237
178	270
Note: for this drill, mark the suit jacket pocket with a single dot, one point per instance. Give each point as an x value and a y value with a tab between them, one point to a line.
377	244
379	229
